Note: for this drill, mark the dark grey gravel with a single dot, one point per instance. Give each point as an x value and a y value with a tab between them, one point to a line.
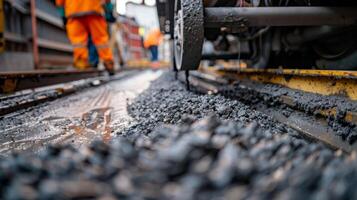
168	102
258	94
185	146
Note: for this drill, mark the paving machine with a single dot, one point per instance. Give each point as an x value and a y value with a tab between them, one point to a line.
264	33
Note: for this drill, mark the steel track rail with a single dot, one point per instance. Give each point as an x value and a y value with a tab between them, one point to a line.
334	83
324	82
29	98
15	81
311	125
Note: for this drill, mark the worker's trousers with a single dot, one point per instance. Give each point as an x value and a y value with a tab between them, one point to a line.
154	50
79	29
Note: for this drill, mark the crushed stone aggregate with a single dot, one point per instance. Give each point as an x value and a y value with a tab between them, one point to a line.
270	95
184	145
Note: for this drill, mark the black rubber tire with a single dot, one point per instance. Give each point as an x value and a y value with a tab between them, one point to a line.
189	34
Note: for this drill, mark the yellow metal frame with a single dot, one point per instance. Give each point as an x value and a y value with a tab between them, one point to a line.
321	85
300	72
2	27
349	117
324	82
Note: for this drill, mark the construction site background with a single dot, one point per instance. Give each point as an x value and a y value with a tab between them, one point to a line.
32	36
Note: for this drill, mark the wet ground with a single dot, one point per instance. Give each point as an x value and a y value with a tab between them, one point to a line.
159	141
78	119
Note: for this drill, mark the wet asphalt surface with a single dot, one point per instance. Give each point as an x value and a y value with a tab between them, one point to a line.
78	119
155	140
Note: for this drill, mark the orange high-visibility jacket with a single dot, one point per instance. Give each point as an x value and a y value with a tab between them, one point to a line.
153	38
77	8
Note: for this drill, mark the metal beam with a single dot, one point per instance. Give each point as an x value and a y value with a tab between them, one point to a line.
12	82
55	21
226	56
2	27
50	44
279	16
34	34
323	82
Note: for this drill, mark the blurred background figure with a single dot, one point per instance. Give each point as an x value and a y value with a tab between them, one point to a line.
86	19
93	53
152	42
89	25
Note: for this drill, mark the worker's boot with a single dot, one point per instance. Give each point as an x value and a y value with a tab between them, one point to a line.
155	65
109	66
122	64
81	64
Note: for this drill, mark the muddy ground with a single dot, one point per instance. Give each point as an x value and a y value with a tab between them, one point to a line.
93	114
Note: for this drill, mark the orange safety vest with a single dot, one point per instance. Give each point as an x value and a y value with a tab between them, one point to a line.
78	8
153	38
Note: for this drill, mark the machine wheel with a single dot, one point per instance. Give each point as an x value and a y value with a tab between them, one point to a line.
188	34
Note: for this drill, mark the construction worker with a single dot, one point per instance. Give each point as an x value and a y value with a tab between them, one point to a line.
152	42
84	18
93	53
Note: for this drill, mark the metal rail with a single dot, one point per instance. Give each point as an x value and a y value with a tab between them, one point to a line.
279	16
12	82
317	128
324	82
29	98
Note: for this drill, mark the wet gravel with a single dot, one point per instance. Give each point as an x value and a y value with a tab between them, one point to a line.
257	94
185	146
168	102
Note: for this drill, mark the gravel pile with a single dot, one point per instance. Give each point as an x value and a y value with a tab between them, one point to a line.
206	159
236	153
168	102
270	96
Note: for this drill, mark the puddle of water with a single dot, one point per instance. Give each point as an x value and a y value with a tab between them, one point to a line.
79	119
97	121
